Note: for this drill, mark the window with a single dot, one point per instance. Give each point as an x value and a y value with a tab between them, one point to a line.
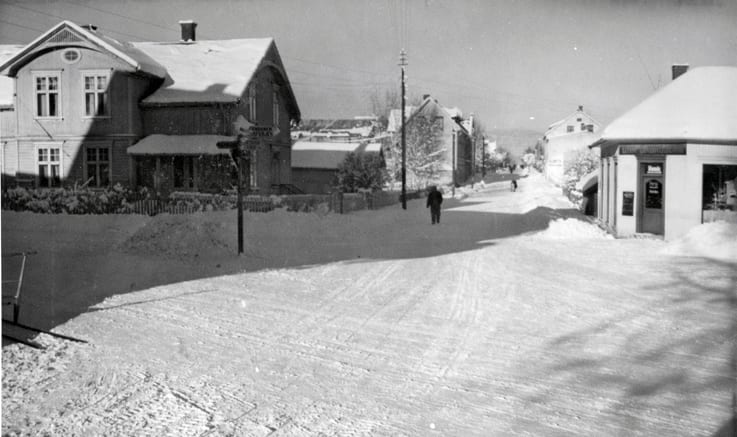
590	127
275	107
96	95
49	168
569	128
252	102
719	193
97	165
47	94
70	56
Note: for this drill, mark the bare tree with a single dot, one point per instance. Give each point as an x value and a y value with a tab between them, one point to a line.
383	101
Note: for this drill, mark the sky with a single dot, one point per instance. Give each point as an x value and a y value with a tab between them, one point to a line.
513	63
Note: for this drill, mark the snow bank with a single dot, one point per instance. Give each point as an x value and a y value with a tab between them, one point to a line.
572	229
716	240
182	236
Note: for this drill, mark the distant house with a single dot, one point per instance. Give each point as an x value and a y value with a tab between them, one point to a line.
566	137
455	154
357	128
315	164
93	110
670	163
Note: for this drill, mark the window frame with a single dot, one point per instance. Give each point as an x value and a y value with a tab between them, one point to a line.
35	75
96	74
275	106
252	110
48	163
97	162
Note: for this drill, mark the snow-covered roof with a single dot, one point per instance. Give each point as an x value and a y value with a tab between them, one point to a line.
7	51
205	71
180	145
312	154
579	113
68	30
699	105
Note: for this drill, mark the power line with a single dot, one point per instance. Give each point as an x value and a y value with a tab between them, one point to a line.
67	19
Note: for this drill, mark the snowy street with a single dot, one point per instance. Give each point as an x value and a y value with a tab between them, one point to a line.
515	316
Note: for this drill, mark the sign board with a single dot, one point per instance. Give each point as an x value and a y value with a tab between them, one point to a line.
652	149
628	203
653	194
656	169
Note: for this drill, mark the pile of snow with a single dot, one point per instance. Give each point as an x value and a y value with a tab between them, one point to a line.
182	236
572	229
716	240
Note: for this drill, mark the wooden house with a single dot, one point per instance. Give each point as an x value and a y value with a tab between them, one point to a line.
92	110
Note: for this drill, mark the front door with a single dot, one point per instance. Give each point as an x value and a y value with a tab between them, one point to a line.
652	198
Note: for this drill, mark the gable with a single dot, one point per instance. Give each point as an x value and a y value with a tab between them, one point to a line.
68	34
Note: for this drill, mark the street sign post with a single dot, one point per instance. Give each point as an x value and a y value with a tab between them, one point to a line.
244	144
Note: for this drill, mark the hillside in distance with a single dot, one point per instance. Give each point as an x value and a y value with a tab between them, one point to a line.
515	141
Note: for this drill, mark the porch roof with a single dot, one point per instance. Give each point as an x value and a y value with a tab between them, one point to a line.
158	144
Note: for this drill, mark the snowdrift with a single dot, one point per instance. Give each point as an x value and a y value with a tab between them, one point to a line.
717	240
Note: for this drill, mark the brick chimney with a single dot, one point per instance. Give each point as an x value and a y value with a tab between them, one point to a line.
678	69
188	27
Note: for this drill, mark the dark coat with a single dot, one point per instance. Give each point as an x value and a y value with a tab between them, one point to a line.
434	199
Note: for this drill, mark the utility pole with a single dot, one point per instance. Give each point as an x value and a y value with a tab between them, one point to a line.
453	172
483	157
403	63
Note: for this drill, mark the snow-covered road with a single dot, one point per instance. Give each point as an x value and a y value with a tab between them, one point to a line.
377	323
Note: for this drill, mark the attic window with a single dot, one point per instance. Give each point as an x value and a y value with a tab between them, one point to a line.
569	128
70	56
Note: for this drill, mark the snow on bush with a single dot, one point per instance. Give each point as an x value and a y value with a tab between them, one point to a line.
68	200
572	229
716	240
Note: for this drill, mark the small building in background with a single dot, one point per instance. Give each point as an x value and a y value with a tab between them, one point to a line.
670	163
315	164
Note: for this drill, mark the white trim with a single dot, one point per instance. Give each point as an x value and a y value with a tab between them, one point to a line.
35	74
95	73
63	53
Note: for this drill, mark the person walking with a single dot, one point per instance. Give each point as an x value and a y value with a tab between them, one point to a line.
434	200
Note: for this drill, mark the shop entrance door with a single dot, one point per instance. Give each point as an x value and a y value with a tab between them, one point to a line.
652	198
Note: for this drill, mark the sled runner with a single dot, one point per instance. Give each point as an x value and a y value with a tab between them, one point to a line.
19	332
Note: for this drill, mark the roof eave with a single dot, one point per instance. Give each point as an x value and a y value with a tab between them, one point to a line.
680	140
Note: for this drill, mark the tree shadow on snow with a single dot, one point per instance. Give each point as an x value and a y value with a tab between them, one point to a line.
655	359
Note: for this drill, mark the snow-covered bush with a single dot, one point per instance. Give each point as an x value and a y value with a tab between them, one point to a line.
70	200
578	165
